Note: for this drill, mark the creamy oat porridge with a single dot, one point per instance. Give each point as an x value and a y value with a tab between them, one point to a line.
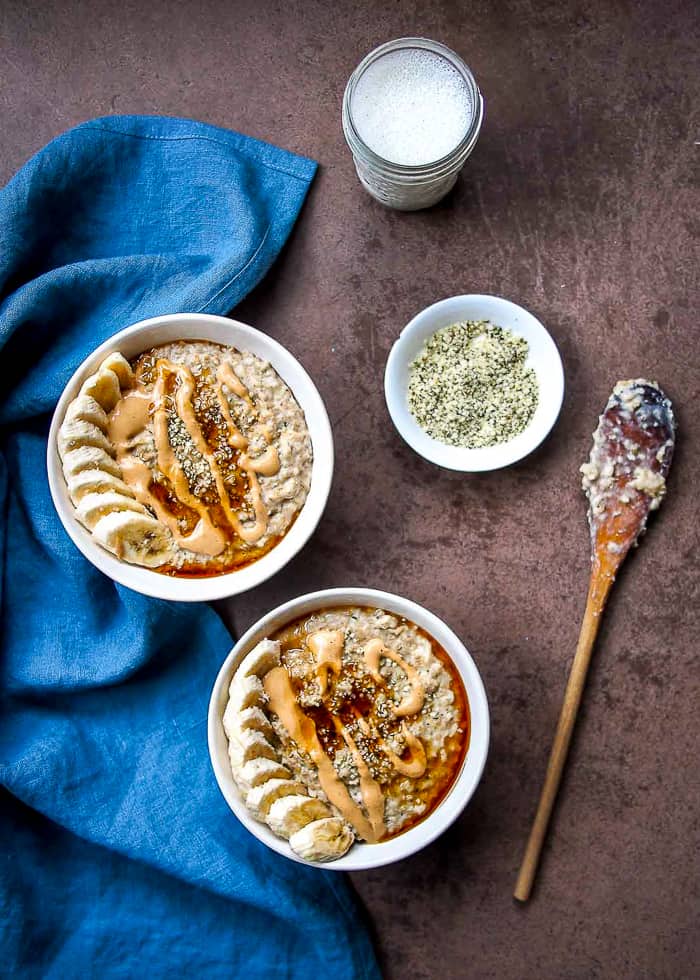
348	724
193	459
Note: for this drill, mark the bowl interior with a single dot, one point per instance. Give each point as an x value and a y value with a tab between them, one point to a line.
184	326
360	856
543	358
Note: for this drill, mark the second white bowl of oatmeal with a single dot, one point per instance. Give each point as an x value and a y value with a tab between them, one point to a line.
543	358
361	856
155	331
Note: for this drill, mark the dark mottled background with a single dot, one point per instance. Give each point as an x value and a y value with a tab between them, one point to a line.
580	203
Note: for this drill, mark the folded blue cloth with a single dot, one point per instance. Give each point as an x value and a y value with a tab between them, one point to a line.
119	856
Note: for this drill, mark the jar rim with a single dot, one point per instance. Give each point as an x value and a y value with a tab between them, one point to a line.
451	160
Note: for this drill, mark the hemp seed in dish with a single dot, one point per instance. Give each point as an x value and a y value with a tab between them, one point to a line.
469	386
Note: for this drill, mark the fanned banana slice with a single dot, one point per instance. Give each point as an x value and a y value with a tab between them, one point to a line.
73	435
247	745
89	458
103	387
136	538
260	799
96	481
259	771
118	363
84	408
229	718
245	692
270	794
322	840
94	506
252	719
256	720
261	659
289	814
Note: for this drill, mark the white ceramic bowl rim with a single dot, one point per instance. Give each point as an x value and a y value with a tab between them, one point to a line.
360	856
543	357
199	326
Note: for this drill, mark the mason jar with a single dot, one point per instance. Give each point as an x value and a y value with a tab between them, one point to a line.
400	186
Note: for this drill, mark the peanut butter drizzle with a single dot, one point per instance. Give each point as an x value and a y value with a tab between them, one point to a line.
416	765
371	791
225	375
251	532
128	418
302	730
266	464
413	701
204	540
327	648
170	466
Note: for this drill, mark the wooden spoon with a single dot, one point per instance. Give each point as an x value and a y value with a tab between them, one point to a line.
625	479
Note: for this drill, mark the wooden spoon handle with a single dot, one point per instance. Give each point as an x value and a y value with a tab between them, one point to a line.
597	595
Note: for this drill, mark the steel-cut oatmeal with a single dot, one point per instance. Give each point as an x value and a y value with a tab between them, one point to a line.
347	724
192	459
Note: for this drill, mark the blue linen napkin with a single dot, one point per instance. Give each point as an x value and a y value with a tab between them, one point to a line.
119	856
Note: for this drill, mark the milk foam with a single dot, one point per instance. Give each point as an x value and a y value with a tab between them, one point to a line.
411	107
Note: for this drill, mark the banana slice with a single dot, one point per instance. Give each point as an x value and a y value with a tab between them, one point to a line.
255	720
94	506
229	719
322	840
73	435
245	692
261	659
260	799
289	814
136	538
96	481
84	408
118	363
88	458
252	718
259	771
103	387
247	745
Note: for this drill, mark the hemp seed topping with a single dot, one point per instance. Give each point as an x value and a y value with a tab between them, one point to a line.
469	386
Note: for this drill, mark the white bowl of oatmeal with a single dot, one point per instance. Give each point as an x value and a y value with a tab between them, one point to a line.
480	421
190	457
348	728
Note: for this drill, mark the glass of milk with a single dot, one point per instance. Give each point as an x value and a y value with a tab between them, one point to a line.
412	112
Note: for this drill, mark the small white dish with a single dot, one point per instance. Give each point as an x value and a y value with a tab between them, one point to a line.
198	326
360	856
543	358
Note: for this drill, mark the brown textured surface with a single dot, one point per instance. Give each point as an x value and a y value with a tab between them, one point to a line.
579	204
